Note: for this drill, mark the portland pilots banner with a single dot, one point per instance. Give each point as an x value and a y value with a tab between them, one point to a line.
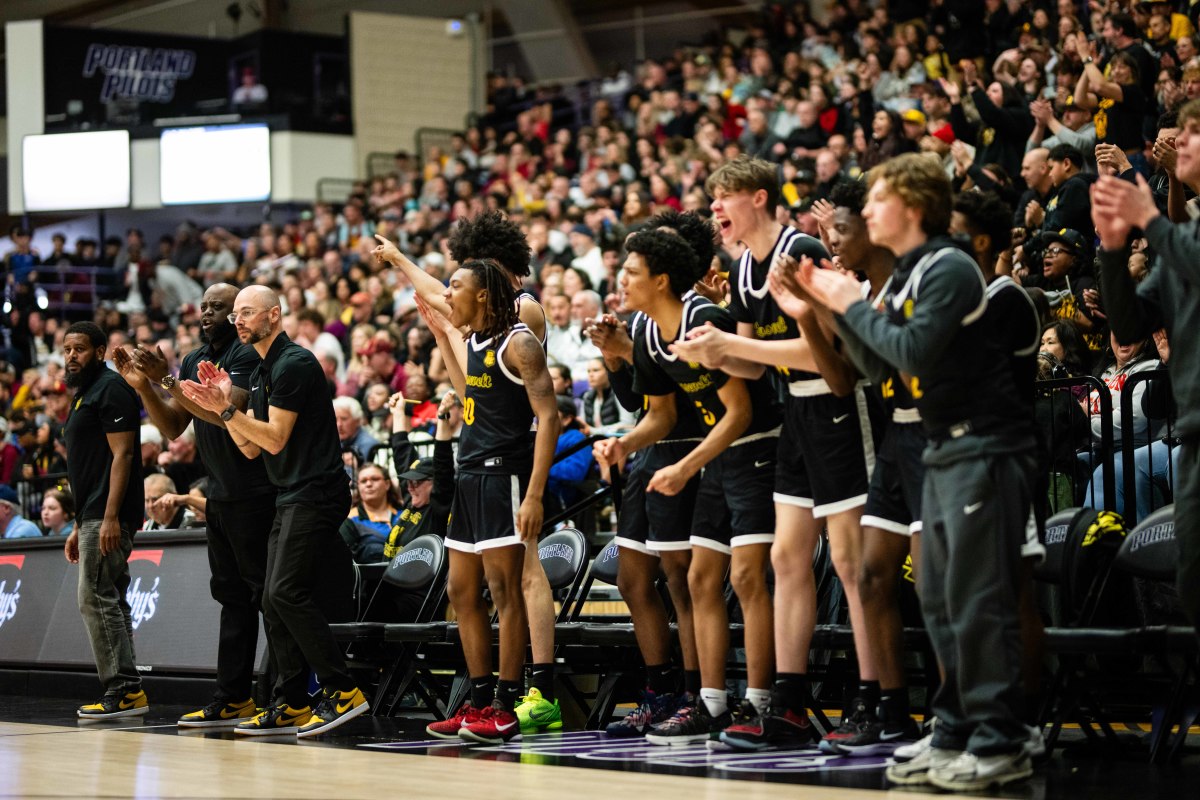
99	78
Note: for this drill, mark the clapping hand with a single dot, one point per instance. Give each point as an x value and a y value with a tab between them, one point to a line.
213	392
127	369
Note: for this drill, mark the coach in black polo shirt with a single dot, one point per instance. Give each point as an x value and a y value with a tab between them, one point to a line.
241	499
102	434
290	424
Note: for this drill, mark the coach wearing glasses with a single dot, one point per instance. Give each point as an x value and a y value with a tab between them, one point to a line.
290	424
241	500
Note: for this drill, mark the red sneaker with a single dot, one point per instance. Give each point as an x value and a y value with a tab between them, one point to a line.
449	728
774	726
494	726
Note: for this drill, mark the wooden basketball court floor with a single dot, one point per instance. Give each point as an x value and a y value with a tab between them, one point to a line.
46	753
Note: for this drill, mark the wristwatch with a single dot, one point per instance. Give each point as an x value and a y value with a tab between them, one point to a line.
229	411
168	382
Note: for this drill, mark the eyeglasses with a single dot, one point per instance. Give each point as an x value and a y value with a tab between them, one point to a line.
1055	251
245	313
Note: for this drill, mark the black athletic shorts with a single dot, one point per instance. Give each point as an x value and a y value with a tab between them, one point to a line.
734	505
651	522
833	438
894	498
484	514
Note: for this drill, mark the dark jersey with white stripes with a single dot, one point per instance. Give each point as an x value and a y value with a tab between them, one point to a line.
687	424
658	371
545	326
895	391
751	301
497	416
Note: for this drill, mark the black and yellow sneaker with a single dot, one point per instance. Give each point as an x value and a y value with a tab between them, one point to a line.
275	721
116	706
219	714
335	709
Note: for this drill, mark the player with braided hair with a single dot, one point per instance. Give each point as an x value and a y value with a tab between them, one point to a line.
492	236
503	468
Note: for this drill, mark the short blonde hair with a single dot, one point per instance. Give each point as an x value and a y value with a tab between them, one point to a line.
746	174
920	183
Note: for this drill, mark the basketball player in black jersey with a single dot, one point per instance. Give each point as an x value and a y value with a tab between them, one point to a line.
491	235
737	456
654	528
826	450
979	464
502	476
892	515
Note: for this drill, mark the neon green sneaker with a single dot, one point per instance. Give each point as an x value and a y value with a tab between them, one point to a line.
537	714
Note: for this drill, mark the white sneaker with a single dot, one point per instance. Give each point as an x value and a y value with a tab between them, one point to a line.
969	772
916	772
907	752
1036	745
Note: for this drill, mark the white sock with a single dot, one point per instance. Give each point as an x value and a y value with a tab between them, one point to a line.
715	700
758	698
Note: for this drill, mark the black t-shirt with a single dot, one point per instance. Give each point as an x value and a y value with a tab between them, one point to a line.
309	468
107	406
1016	323
1120	123
231	476
657	371
1071	206
750	301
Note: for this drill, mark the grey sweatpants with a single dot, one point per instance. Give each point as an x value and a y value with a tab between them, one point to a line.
975	511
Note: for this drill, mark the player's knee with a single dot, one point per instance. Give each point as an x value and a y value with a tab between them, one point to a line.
635	588
749	581
505	590
875	582
846	565
704	583
676	575
462	594
789	564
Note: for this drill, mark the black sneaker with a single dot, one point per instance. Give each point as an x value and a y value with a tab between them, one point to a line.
691	723
116	706
775	726
848	728
874	739
337	708
653	709
219	714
